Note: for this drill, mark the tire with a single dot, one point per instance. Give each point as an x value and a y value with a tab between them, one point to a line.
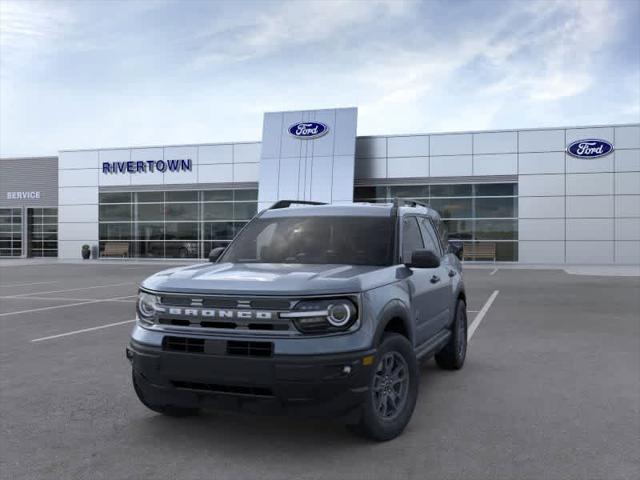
168	410
388	406
452	356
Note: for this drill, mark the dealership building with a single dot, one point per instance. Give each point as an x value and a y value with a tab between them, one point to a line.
544	195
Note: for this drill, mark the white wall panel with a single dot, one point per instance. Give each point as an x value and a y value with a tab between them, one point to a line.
627	228
589	229
146	178
290	177
627	160
496	142
451	166
627	205
77	195
371	147
586	165
215	173
541	229
77	213
273	126
77	231
541	207
628	137
77	178
215	154
592	253
321	178
246	153
80	159
71	249
590	184
246	172
590	206
403	167
343	177
545	162
346	125
268	181
501	164
627	253
410	146
601	133
541	185
371	168
628	183
541	141
452	144
540	252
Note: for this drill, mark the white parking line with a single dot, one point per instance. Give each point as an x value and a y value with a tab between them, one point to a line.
25	284
476	321
117	299
66	305
74	289
51	337
493	272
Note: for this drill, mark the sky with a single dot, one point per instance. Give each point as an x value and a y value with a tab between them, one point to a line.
84	74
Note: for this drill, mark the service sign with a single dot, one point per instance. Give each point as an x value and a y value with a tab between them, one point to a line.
308	130
589	148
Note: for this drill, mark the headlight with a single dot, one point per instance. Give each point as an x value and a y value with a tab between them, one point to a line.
323	315
146	307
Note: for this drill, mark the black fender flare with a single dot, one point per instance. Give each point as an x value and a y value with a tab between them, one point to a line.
394	309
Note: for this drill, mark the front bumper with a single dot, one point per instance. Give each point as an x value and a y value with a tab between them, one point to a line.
310	385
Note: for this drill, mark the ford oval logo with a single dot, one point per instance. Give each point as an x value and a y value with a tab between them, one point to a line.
308	130
590	148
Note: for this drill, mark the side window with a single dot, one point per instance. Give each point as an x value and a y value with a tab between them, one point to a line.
430	240
411	238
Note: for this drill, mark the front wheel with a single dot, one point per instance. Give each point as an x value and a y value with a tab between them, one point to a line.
393	390
452	356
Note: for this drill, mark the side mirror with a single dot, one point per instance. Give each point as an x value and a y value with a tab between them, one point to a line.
424	259
456	249
215	253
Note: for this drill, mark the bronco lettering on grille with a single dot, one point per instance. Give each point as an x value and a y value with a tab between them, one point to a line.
222	314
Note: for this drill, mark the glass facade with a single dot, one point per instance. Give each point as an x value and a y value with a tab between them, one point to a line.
472	212
10	232
42	228
173	224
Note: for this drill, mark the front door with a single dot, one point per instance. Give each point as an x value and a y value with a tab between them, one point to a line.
424	284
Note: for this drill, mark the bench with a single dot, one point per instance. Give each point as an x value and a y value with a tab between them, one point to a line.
479	251
116	250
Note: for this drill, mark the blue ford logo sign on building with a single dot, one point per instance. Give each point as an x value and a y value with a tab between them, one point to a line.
308	130
590	148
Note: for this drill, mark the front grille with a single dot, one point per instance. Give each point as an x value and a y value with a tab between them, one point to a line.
217	347
249	349
226	302
183	344
231	389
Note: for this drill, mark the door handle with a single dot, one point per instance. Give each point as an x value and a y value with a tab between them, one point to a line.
452	273
435	279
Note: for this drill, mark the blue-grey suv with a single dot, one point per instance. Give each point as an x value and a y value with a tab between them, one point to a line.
312	309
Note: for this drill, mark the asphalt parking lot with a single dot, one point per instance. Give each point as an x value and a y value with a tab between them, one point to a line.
551	389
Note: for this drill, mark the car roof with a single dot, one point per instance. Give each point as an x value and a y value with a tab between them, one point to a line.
347	209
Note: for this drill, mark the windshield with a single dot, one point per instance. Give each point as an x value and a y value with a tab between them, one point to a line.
318	239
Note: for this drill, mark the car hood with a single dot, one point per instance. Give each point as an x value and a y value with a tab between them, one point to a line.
269	279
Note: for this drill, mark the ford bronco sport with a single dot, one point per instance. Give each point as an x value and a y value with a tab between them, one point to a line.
312	309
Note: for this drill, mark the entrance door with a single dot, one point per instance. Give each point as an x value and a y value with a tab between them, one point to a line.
42	232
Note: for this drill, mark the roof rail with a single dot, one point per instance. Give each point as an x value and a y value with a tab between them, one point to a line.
401	202
288	203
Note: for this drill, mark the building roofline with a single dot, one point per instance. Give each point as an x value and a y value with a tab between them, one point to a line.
418	134
498	130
